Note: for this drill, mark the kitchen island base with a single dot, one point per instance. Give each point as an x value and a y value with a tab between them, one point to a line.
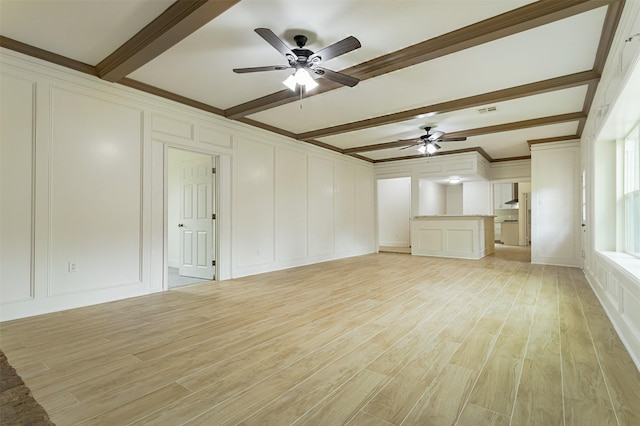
465	237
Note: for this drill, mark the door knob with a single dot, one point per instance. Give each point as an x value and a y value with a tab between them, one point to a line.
180	225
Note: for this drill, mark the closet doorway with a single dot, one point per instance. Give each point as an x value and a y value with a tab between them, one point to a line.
191	217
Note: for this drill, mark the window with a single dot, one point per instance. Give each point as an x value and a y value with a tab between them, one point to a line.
631	192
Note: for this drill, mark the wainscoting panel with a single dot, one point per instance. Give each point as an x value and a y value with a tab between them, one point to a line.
364	208
96	190
215	137
460	240
94	213
619	294
430	240
344	213
254	225
172	126
17	188
292	212
321	204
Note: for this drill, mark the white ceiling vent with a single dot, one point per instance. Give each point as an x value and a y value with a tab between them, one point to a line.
487	109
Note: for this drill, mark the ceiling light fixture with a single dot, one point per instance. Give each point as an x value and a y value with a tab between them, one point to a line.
428	148
454	180
300	78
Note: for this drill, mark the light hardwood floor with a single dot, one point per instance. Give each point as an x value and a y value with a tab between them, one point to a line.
373	340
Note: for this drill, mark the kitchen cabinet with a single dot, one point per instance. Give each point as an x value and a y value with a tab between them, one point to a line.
510	233
502	192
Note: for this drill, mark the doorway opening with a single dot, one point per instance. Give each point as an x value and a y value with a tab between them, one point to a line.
191	217
394	213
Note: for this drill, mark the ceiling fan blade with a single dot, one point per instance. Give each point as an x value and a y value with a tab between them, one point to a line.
258	69
410	140
276	42
337	77
336	49
411	146
460	139
435	135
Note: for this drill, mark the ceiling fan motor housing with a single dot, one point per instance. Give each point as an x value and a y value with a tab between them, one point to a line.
302	54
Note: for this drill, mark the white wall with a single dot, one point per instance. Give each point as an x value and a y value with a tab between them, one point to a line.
97	196
555	209
432	198
454	199
510	171
523	188
476	198
394	212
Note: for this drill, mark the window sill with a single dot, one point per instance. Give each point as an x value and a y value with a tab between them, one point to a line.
626	262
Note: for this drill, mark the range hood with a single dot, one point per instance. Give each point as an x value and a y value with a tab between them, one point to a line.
514	195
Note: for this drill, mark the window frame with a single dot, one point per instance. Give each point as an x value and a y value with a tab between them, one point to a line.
631	192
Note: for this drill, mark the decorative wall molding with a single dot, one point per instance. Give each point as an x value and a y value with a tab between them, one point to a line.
619	295
161	124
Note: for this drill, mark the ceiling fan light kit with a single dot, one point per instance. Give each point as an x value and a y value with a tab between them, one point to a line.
428	148
300	78
432	147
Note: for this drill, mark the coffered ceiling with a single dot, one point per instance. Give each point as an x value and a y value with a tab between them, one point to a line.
502	73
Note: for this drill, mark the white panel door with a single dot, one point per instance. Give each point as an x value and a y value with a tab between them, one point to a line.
196	219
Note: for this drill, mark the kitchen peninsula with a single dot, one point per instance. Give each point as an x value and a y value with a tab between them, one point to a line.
460	236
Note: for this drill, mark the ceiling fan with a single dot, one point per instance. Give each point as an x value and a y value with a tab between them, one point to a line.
305	62
427	143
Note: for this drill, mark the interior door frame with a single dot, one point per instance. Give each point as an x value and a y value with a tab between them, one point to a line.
218	245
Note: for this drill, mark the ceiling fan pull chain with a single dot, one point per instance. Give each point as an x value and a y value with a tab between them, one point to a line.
301	89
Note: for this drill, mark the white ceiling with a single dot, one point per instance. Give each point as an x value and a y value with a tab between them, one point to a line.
199	66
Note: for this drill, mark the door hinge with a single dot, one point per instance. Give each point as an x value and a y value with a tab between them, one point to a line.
213	263
213	216
213	170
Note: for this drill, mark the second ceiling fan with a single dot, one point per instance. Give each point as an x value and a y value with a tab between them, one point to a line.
305	62
427	143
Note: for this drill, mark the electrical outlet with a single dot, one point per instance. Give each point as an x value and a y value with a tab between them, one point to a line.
73	266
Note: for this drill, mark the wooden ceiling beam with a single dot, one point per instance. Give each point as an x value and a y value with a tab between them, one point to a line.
36	52
554	139
611	21
477	149
545	86
518	125
180	20
521	19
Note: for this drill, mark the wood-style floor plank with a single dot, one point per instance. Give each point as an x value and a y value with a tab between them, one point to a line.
383	339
